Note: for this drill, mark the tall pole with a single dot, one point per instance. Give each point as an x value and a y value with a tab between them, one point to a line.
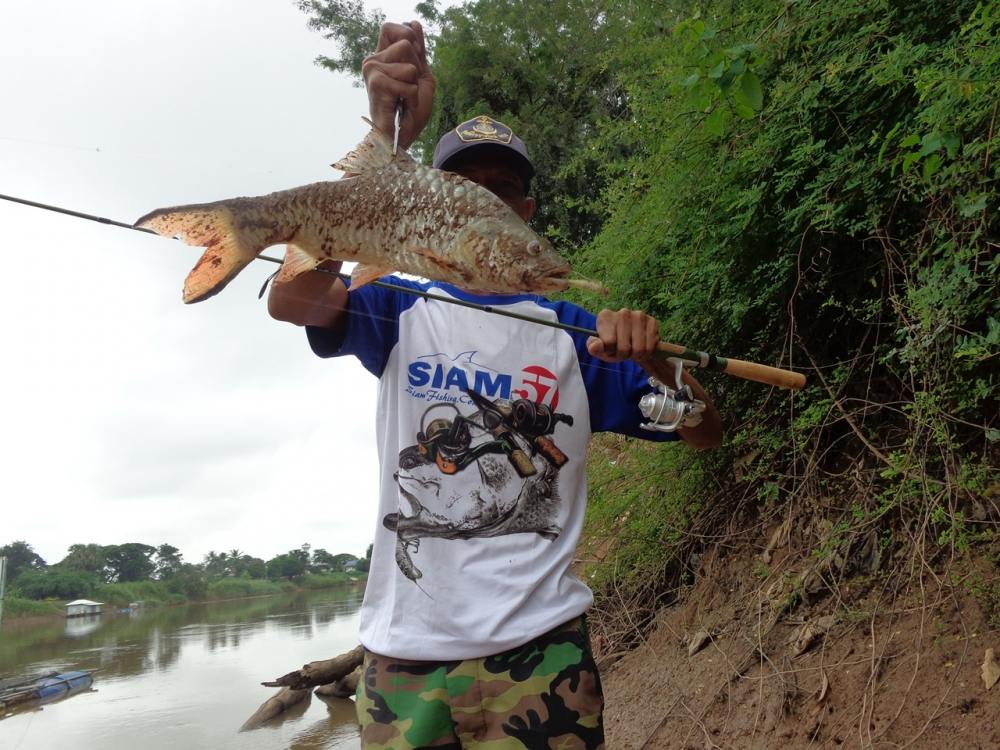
3	581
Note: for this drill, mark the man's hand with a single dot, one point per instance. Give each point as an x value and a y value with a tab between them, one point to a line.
626	334
632	334
314	298
396	71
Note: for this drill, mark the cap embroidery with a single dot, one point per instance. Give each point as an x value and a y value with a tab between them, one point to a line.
484	128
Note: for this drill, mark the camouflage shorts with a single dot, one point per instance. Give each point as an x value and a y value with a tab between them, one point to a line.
543	694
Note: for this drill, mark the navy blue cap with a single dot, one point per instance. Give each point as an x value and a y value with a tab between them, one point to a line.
484	133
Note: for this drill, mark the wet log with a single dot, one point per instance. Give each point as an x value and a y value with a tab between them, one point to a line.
276	704
345	687
317	673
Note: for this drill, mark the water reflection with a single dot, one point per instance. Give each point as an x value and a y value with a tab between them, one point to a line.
339	724
185	676
82	625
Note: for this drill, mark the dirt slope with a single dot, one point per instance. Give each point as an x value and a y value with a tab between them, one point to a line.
868	664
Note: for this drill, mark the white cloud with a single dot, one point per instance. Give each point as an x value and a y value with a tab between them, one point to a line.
127	415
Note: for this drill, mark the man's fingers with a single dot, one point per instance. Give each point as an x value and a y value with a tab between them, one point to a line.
596	347
397	71
643	329
625	334
388	83
607	332
398	52
404	72
390	33
652	335
623	322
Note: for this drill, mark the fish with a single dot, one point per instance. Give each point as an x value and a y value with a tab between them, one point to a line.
388	214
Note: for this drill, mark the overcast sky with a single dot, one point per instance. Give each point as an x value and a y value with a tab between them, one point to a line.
128	416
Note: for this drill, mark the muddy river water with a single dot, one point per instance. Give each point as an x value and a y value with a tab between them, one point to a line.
183	676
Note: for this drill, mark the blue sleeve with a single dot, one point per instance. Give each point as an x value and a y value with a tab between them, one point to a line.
613	390
372	328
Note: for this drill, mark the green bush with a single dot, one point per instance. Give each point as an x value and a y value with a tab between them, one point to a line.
14	606
234	588
54	583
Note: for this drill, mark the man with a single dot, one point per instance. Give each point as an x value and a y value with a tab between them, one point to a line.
472	621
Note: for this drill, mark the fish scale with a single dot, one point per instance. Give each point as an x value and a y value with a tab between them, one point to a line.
389	214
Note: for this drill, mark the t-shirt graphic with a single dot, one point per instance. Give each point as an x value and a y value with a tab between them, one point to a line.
507	448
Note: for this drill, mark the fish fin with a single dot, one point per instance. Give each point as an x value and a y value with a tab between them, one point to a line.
212	226
374	152
297	261
365	274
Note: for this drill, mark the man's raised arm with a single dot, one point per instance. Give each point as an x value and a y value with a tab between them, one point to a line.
396	71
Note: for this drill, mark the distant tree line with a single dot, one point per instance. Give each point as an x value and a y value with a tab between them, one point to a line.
86	567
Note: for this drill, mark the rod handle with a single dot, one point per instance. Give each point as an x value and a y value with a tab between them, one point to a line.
737	367
765	374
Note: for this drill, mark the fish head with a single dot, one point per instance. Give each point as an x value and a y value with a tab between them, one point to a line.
507	256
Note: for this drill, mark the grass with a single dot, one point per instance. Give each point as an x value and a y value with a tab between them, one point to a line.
16	607
153	593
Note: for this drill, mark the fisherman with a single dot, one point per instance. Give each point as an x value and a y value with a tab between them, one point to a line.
472	621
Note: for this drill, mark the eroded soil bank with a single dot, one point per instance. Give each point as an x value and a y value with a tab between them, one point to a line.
870	662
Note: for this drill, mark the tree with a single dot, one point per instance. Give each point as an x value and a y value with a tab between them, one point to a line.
322	561
189	580
54	582
303	554
365	563
130	562
289	565
254	567
215	563
347	23
87	558
236	562
168	561
20	557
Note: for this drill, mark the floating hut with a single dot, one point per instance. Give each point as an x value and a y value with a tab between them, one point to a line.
83	607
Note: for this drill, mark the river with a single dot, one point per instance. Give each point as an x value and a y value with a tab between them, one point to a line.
184	676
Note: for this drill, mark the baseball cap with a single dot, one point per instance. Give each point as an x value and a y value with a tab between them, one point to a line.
484	133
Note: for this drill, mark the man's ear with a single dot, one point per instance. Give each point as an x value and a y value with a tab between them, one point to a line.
528	207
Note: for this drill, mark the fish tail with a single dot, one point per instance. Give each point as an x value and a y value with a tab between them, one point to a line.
234	232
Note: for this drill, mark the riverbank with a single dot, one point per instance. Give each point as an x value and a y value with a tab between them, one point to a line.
159	593
183	676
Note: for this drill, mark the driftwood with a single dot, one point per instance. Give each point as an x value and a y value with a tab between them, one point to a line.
345	687
320	672
276	704
338	675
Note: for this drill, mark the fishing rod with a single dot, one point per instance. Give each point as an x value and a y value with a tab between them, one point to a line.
692	357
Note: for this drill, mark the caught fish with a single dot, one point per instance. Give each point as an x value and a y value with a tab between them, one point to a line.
393	214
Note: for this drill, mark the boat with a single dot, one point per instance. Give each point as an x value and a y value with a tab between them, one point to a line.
83	607
43	688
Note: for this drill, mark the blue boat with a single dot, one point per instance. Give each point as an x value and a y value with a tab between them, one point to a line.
54	687
44	689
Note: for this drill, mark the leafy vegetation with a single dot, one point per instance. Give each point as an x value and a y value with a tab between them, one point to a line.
808	184
123	573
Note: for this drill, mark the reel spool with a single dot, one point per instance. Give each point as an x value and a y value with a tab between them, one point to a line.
670	408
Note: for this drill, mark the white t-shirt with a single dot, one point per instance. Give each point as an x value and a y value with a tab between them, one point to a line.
483	423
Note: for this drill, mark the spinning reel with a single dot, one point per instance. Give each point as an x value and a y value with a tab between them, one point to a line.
670	408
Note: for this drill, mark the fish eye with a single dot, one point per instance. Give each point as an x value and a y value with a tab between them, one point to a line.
534	247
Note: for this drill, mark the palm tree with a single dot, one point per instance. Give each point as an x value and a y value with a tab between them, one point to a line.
236	562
